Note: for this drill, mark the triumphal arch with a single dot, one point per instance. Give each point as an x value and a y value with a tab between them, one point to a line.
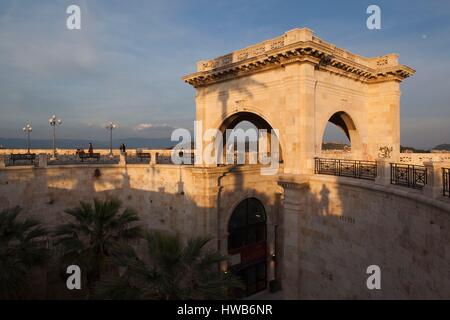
316	234
296	83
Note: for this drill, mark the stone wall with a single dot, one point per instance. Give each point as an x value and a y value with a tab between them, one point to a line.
330	229
336	227
188	200
155	192
420	158
116	151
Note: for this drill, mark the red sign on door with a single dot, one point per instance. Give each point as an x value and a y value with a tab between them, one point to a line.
253	252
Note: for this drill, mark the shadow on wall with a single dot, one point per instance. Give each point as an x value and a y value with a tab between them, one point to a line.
45	194
329	233
340	230
162	204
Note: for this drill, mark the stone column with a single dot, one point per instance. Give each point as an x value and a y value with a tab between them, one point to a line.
122	159
153	158
383	171
299	127
433	188
2	162
383	110
42	160
294	204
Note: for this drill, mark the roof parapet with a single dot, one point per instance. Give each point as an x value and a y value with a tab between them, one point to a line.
298	44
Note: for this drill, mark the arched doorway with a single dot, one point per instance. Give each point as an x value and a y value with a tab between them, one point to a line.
247	236
340	134
250	123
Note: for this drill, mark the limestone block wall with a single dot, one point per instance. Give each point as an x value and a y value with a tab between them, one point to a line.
383	123
336	227
163	195
188	200
420	158
339	94
263	94
182	199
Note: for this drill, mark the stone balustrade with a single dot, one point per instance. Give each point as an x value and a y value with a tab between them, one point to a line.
431	179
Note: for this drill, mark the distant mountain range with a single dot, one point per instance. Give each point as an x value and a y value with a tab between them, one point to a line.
158	143
334	146
444	146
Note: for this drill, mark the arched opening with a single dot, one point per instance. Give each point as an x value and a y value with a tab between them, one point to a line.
340	134
251	126
247	245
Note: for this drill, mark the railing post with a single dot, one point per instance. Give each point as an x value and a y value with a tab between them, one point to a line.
42	160
153	158
2	162
383	172
446	180
122	159
434	185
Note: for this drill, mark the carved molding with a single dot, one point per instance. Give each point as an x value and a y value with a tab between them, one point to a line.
276	53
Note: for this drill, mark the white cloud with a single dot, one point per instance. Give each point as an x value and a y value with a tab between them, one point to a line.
147	126
143	126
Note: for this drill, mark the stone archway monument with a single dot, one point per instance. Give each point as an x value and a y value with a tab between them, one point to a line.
297	83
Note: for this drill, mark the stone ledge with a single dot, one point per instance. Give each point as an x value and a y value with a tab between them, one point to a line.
416	195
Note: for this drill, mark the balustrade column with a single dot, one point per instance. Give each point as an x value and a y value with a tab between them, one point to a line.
434	185
153	158
383	172
42	160
2	162
122	159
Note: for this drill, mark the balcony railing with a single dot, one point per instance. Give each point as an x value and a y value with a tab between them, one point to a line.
408	175
24	159
187	158
138	158
77	160
446	181
346	168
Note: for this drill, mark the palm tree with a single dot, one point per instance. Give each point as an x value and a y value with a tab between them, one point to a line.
22	247
175	271
88	239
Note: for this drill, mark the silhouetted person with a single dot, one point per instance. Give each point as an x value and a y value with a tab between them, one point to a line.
91	149
123	148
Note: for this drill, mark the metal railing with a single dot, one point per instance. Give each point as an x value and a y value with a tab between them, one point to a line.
76	160
27	159
408	175
446	181
346	168
188	158
138	159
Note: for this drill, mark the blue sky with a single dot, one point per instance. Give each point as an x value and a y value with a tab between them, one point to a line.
126	63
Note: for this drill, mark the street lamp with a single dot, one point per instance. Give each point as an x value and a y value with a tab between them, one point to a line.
28	129
110	126
54	122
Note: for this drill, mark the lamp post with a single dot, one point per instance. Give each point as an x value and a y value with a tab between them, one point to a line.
54	122
110	126
28	129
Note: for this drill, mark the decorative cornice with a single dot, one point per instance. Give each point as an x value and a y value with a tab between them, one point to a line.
298	46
